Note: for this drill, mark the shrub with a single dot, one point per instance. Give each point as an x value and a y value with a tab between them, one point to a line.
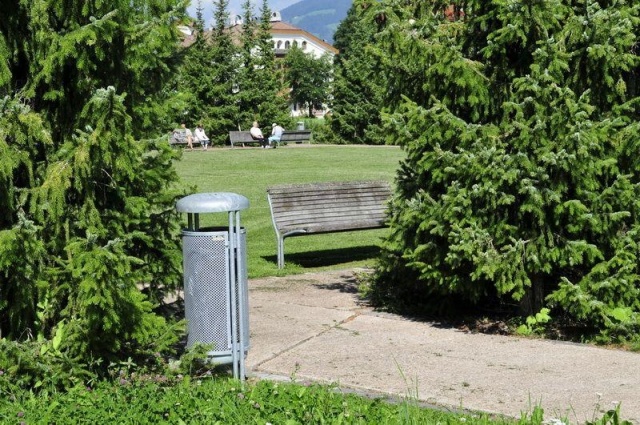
520	186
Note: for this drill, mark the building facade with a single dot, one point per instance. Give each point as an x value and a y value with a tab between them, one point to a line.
285	36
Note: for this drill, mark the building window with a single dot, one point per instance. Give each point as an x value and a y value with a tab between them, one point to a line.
304	45
287	44
295	43
279	46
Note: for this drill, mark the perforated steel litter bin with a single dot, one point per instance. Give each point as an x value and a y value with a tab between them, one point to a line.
215	278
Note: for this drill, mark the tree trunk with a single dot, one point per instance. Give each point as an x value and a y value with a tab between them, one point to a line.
533	299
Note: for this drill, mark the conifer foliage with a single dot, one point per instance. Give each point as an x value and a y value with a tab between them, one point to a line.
521	184
358	88
88	209
210	77
261	90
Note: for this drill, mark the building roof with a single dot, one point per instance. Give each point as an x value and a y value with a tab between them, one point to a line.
281	28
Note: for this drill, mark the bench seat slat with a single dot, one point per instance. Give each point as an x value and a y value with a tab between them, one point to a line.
296	136
319	197
306	224
318	208
336	227
344	214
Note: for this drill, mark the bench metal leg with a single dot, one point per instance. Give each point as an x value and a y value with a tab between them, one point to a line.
280	253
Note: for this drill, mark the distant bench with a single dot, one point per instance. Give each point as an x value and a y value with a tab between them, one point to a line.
244	137
305	209
179	138
297	136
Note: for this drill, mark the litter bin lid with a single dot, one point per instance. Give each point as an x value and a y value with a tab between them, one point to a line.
212	202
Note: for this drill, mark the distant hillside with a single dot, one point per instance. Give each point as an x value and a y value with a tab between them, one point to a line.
319	17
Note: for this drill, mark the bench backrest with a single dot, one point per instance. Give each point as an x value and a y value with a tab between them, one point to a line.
240	137
296	135
178	136
328	207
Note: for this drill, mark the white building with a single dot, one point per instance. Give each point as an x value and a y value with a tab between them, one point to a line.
285	36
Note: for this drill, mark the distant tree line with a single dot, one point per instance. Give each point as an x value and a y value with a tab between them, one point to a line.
230	77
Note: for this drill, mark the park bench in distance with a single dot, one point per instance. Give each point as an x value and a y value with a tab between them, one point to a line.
179	138
241	137
305	209
244	137
296	136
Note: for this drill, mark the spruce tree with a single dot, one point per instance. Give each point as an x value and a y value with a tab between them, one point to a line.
190	84
248	85
89	45
260	84
272	97
519	187
218	78
357	89
89	206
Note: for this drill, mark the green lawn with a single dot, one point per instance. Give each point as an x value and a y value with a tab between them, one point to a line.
249	171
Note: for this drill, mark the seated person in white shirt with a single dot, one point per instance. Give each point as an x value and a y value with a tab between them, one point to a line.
256	134
276	135
201	137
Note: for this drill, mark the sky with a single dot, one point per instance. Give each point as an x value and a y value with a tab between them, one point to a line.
235	7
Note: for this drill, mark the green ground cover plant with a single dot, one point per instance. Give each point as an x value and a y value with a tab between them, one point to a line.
182	400
249	171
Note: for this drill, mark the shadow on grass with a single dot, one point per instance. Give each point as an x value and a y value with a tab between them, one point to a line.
328	257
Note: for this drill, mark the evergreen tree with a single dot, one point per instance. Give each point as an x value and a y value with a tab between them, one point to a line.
248	86
261	90
190	85
88	210
218	79
89	45
273	105
357	89
519	185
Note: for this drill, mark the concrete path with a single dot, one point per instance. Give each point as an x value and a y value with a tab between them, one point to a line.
312	327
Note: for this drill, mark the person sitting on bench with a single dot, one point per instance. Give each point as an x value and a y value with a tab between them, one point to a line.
276	135
202	137
188	135
256	134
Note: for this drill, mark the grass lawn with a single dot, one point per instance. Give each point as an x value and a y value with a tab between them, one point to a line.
249	171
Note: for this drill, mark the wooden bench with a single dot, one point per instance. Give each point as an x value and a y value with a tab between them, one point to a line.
241	137
296	136
179	138
305	209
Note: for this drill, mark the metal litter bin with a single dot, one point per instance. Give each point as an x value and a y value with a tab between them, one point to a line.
216	296
300	125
